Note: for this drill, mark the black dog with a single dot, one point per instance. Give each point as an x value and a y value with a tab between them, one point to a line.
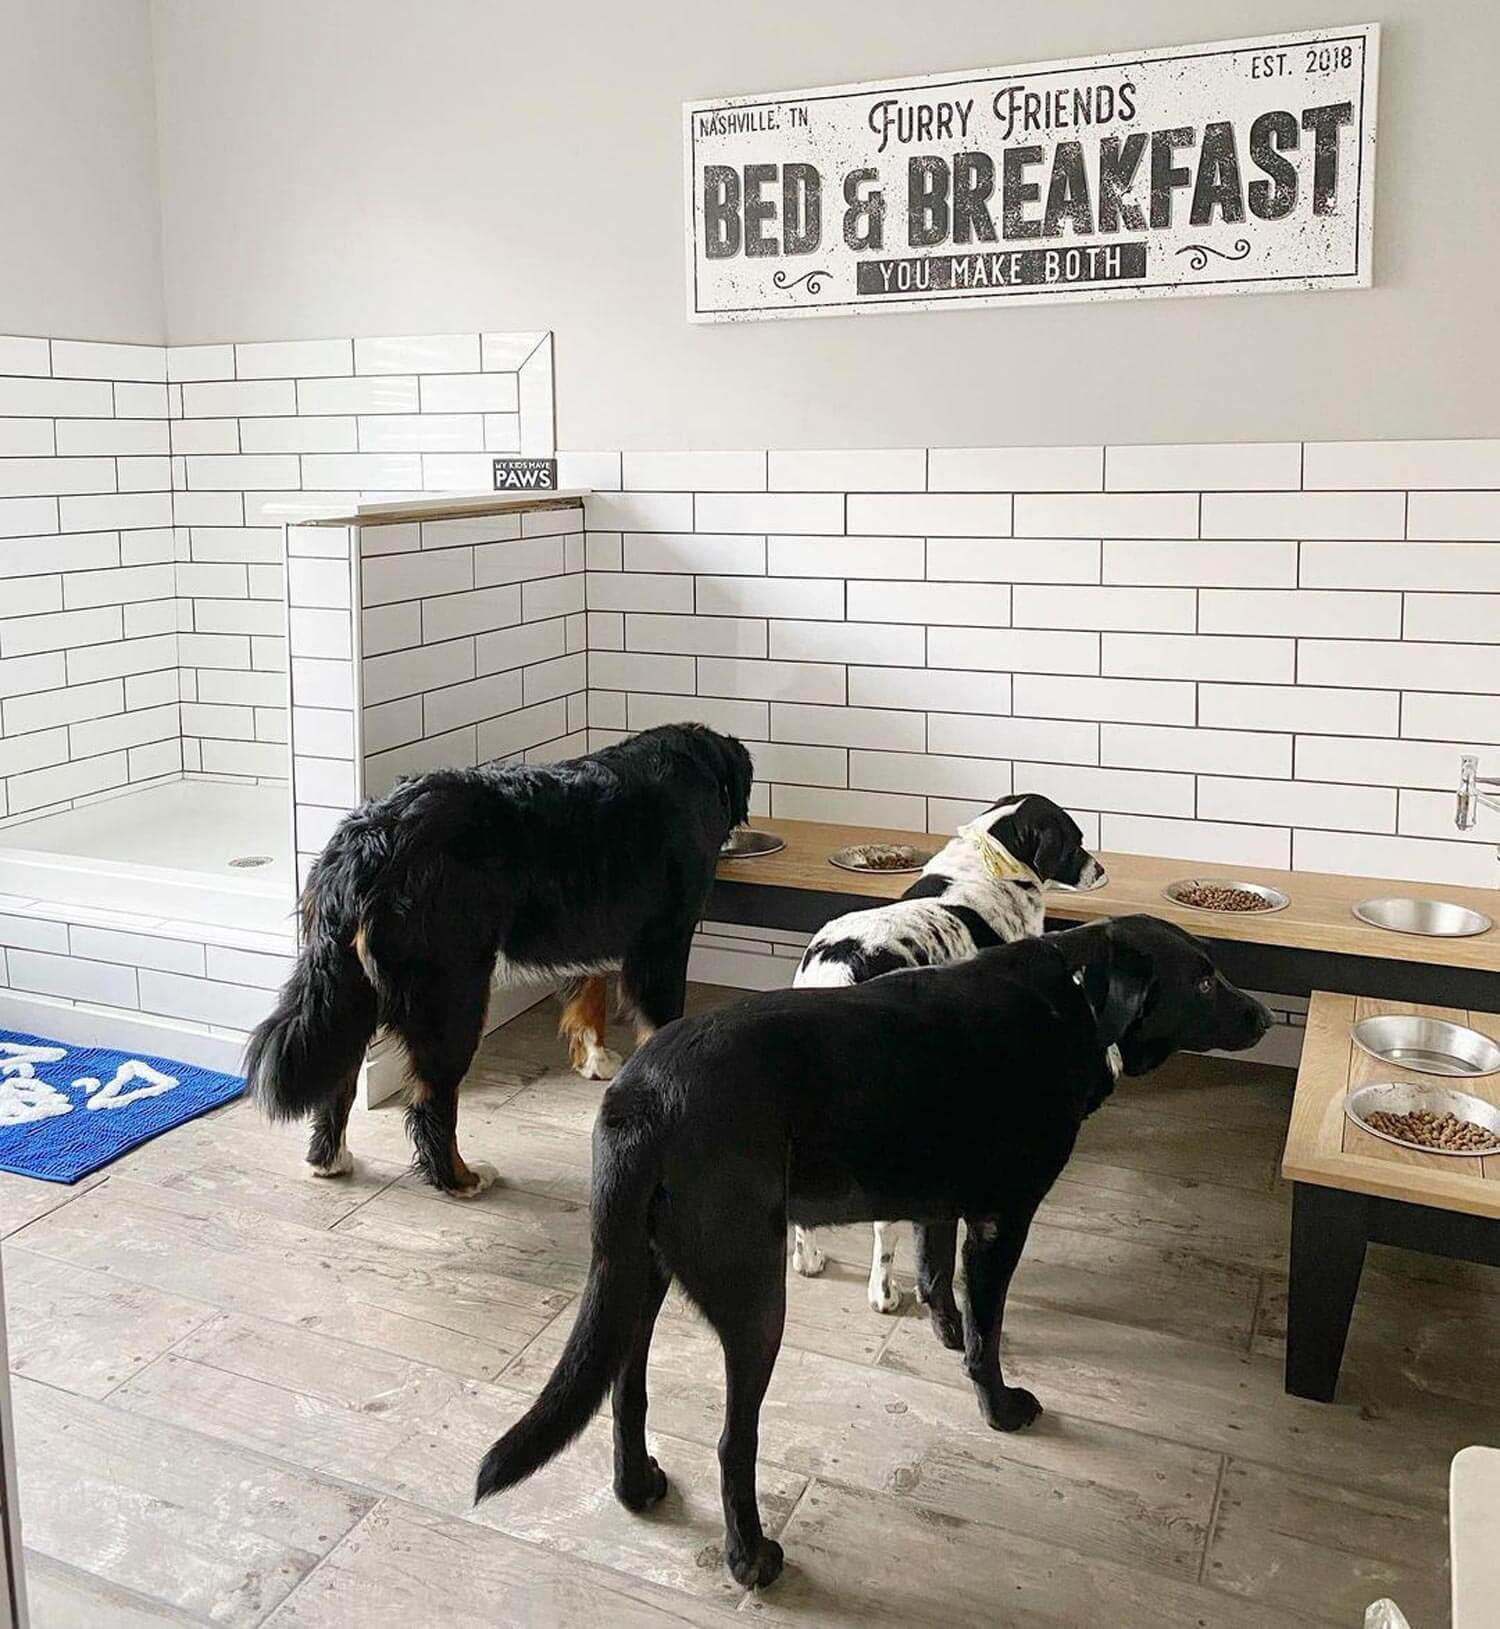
985	887
563	870
954	1092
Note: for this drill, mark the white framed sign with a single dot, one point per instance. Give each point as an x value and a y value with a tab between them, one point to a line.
1246	166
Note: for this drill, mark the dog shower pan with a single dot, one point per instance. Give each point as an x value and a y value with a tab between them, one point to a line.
207	851
424	633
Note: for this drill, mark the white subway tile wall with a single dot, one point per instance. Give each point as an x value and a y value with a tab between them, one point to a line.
1269	654
1264	653
469	642
185	988
263	427
142	498
89	699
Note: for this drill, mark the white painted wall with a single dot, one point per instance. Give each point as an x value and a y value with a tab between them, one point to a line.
78	189
386	167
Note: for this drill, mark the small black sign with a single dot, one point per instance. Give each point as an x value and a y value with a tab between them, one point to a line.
526	475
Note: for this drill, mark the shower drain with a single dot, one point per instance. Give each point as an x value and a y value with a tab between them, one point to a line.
245	862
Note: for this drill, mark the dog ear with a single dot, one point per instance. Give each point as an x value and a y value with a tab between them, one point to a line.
740	777
1123	991
732	768
1059	854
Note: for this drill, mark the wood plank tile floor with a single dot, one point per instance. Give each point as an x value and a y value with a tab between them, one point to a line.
244	1397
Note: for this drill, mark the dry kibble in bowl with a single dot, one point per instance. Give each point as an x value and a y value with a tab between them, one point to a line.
1435	1130
1215	897
884	856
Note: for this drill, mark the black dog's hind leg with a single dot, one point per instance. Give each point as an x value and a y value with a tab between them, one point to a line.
328	1148
937	1249
653	977
639	1480
729	1251
443	1014
751	1343
992	1247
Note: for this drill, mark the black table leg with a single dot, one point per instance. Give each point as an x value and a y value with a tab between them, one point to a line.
1329	1231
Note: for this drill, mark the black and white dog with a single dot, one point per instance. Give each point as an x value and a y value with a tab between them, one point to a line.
564	870
983	888
945	1093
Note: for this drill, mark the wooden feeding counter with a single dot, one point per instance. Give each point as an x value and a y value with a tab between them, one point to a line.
1350	1188
1316	943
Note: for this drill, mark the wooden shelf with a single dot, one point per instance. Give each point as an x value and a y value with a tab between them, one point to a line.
435	506
1319	918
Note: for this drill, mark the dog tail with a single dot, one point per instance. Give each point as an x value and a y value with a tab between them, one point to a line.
626	1175
314	1040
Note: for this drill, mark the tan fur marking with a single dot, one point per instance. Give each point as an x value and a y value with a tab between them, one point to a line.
361	943
583	1020
463	1177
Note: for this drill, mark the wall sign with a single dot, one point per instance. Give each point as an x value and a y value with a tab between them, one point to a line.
526	475
1241	167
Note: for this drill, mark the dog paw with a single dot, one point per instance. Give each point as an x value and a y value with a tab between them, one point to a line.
808	1259
600	1064
1011	1409
948	1327
485	1176
642	1489
756	1568
884	1296
341	1164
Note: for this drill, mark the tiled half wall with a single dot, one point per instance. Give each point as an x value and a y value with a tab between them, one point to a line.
1268	654
428	645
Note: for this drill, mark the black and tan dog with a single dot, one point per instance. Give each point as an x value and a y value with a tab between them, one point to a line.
556	871
936	1095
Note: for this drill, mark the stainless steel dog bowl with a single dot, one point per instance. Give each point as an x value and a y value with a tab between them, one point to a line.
1434	918
1402	1097
745	843
1431	1046
1274	898
857	857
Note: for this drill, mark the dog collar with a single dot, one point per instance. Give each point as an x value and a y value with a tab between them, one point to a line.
998	859
1113	1061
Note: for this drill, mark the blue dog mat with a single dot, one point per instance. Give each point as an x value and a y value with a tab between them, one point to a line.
67	1110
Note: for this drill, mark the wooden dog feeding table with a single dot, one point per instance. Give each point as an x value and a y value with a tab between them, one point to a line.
1349	1187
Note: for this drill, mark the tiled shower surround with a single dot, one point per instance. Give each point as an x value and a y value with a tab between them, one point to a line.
143	617
88	616
143	492
259	429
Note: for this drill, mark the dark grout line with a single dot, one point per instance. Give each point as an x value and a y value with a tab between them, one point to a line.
1213	1519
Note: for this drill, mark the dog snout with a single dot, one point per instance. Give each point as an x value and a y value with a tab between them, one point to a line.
1260	1019
1093	875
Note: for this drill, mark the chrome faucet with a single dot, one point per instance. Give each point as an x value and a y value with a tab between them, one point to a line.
1470	798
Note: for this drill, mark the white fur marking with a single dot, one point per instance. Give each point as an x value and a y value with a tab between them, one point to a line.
883	1294
599	1063
1091	877
485	1176
807	1257
341	1165
509	973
